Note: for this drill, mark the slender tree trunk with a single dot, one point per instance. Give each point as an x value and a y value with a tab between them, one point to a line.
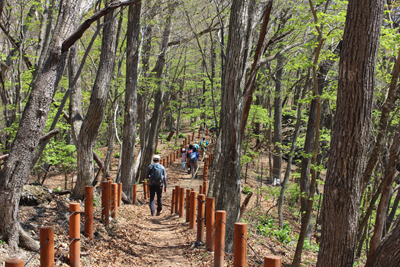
342	192
392	213
277	155
154	121
130	118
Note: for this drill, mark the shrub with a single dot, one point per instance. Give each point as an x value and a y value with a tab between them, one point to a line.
181	135
116	155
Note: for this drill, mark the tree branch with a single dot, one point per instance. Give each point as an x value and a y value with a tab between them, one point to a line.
69	41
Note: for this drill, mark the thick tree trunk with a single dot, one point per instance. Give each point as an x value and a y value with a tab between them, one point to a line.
130	117
227	185
342	190
16	170
97	106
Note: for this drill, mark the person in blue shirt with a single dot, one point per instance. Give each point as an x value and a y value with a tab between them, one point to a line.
193	157
196	145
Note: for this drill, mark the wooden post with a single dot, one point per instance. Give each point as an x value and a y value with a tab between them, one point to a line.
170	158
114	200
192	135
210	223
219	238
145	190
74	234
14	263
173	201
186	142
119	194
205	188
201	218
199	133
272	261
174	156
109	192
89	212
188	205
207	131
163	162
189	139
201	189
148	190
105	213
47	251
181	202
193	204
239	245
177	191
134	194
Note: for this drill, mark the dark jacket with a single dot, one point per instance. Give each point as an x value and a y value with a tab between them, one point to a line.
148	172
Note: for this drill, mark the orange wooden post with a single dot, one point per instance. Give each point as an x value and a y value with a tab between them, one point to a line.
114	200
205	188
148	190
109	191
201	218
192	135
207	131
272	261
219	238
145	190
105	212
177	191
239	245
186	141
193	204
188	205
119	194
199	133
174	156
74	234
14	263
173	201
201	189
170	158
47	251
134	194
189	139
181	202
89	212
210	223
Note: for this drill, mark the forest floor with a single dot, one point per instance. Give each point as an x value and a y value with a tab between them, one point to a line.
136	238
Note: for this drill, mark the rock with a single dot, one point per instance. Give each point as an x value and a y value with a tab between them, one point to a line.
34	195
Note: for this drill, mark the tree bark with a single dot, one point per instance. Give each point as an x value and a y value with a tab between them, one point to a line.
16	170
130	117
277	139
98	101
342	190
227	184
154	121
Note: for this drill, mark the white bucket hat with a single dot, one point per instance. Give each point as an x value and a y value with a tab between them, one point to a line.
156	158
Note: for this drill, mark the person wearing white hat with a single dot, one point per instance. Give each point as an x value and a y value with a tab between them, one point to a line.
157	177
183	158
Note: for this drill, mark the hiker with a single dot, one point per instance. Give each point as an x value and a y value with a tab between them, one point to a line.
183	158
196	145
193	161
203	145
212	133
157	177
190	150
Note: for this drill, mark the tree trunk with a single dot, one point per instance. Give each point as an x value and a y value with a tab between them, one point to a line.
130	118
98	101
277	155
227	185
16	170
154	121
342	190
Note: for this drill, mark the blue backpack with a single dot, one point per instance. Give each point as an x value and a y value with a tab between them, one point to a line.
193	157
157	174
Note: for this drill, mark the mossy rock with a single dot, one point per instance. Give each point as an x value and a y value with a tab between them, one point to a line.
34	195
